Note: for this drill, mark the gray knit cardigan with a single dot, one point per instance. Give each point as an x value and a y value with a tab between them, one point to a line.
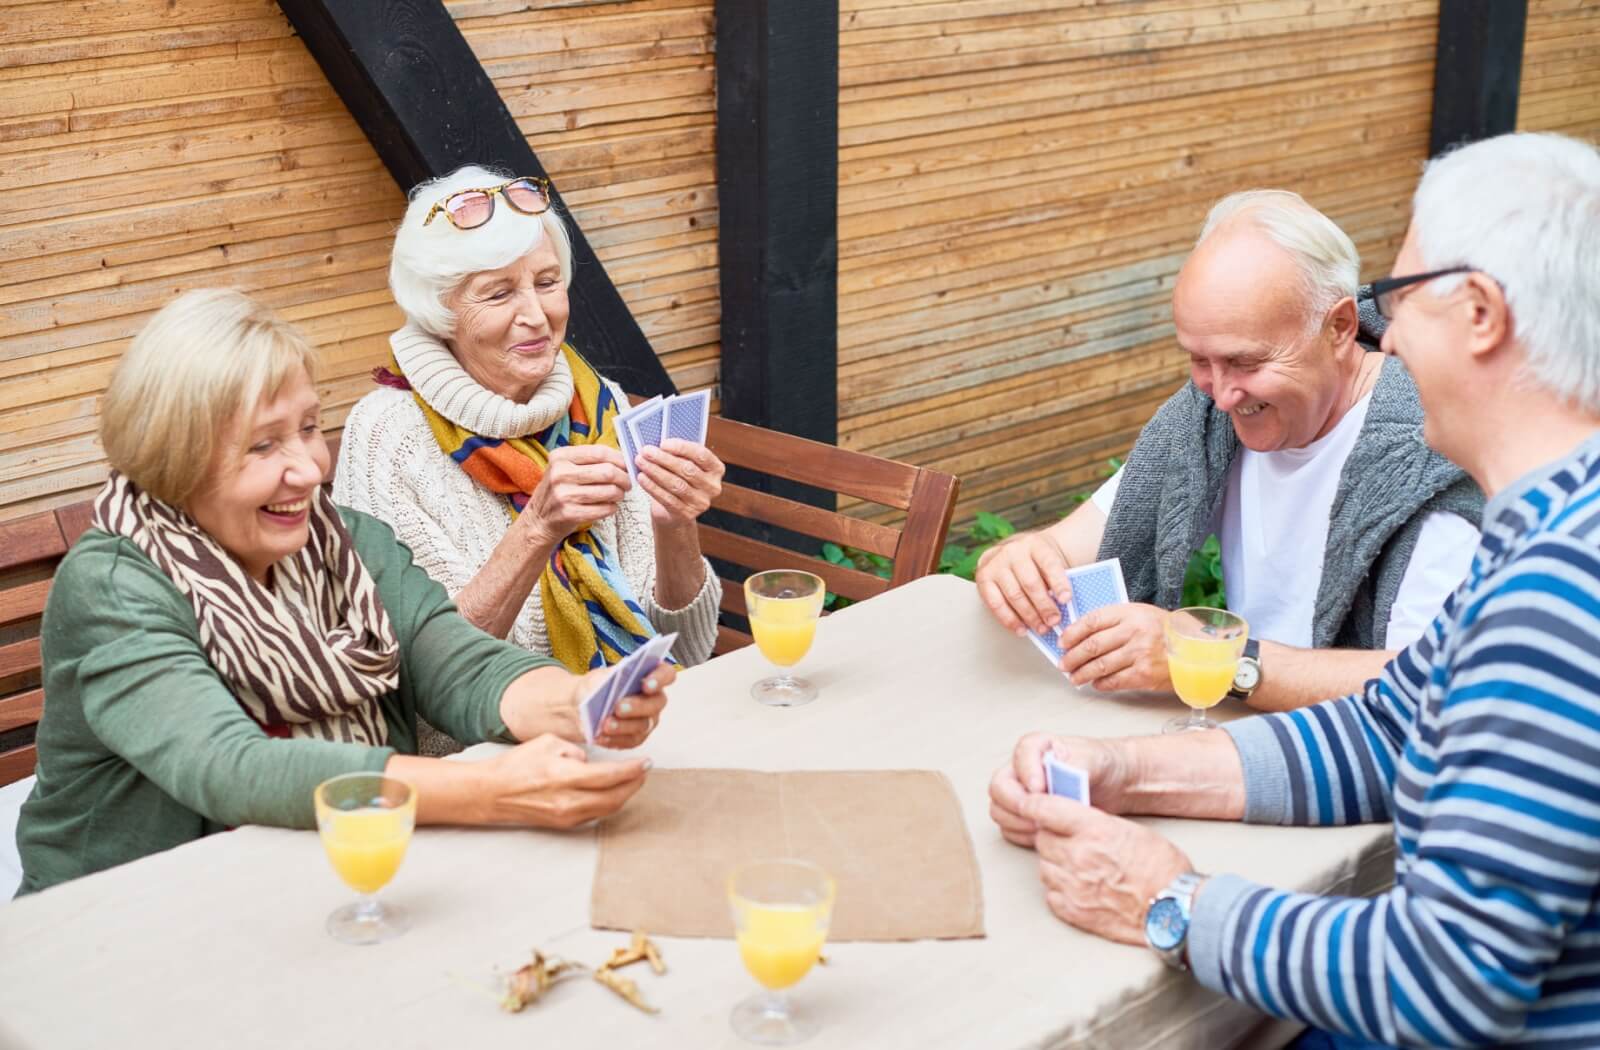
1172	487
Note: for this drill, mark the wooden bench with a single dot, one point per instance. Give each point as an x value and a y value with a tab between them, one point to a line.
32	547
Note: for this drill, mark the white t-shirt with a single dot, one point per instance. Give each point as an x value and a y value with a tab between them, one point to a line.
1274	531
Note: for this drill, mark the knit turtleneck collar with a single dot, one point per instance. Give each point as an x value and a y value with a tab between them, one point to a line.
436	375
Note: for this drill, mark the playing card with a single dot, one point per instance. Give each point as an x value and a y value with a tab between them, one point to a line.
686	417
644	426
625	438
625	679
1062	778
1095	586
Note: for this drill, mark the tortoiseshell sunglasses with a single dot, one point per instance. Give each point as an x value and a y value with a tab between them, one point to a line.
469	209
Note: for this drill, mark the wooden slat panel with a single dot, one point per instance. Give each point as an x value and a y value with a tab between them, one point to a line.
733	600
22	710
1561	70
14	765
758	556
727	641
804	518
19	657
23	602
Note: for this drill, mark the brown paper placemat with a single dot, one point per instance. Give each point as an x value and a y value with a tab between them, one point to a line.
895	842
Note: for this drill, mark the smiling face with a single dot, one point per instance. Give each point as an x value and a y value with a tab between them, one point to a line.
256	499
1241	312
510	323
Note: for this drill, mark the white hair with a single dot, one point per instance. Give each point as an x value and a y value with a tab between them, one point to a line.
1330	266
429	262
1525	210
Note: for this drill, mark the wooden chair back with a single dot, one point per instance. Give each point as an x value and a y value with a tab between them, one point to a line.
928	498
30	550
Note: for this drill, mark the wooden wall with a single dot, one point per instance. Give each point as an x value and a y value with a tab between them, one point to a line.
1021	179
149	147
1561	69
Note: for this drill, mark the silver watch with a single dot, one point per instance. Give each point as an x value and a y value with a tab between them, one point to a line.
1166	921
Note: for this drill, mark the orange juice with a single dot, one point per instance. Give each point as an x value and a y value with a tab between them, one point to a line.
1202	669
365	846
783	628
779	944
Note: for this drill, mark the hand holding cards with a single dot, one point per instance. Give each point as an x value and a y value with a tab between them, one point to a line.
1064	779
1093	587
625	679
682	416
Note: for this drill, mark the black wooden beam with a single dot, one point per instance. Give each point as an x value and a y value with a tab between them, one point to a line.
1478	71
777	194
406	74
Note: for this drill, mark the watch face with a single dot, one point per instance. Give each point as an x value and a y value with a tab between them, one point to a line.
1164	925
1247	676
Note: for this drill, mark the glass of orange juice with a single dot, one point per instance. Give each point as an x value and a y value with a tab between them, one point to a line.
783	606
1203	650
781	910
365	820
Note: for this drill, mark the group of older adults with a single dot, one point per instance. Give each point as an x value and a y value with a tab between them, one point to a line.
228	633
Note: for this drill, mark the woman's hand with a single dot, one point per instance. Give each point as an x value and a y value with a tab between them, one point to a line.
582	484
549	783
634	717
682	478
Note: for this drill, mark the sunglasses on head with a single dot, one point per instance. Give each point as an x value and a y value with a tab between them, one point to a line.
469	209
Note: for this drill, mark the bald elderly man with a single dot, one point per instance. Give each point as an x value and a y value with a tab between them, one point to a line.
1300	449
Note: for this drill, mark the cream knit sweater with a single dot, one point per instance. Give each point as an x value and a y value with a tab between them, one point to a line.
391	467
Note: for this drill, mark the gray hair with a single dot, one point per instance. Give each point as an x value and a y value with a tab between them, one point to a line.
1525	209
429	262
1330	266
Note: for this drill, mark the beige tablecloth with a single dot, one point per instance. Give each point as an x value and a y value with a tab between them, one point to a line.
220	943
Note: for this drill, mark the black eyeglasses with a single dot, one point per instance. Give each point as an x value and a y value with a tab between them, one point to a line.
1382	292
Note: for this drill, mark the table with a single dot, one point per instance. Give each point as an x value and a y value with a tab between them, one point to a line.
220	942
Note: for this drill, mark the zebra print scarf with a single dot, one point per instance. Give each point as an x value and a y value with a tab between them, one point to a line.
308	658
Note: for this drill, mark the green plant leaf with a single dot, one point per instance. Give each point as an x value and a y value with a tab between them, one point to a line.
834	553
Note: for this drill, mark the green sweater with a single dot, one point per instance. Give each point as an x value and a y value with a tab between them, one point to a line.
142	747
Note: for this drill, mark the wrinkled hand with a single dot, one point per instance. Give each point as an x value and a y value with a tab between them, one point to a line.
682	479
634	717
1021	581
582	484
1100	871
1118	647
1023	777
548	782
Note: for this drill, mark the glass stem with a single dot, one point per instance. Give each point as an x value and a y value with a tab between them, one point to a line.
775	1004
368	910
1197	717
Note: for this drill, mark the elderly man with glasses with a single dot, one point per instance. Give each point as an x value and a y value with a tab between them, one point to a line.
1479	741
1297	447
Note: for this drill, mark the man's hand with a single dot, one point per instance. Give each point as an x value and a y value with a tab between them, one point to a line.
1118	647
1105	763
1021	581
1100	872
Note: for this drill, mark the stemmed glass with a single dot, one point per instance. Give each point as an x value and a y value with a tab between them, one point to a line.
365	821
783	606
1203	650
781	910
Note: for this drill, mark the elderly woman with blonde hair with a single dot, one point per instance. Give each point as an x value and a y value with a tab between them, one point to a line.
222	639
491	449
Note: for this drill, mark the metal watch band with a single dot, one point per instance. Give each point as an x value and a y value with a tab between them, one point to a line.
1181	890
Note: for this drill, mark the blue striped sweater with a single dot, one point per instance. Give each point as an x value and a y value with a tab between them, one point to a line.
1482	743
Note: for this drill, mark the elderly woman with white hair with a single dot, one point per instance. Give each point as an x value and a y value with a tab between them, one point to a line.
222	639
492	451
1297	446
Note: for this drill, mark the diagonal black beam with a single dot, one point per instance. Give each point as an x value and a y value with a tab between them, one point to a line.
414	86
1478	70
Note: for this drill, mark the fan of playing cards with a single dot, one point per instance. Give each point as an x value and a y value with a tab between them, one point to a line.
651	422
625	679
1093	587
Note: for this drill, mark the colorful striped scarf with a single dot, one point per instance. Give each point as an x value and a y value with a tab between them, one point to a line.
590	612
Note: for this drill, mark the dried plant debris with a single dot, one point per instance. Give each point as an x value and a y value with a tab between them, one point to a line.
529	983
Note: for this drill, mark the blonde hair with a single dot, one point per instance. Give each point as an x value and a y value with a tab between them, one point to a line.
429	262
201	360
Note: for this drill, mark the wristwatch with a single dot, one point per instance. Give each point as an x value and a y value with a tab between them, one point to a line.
1248	676
1166	921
